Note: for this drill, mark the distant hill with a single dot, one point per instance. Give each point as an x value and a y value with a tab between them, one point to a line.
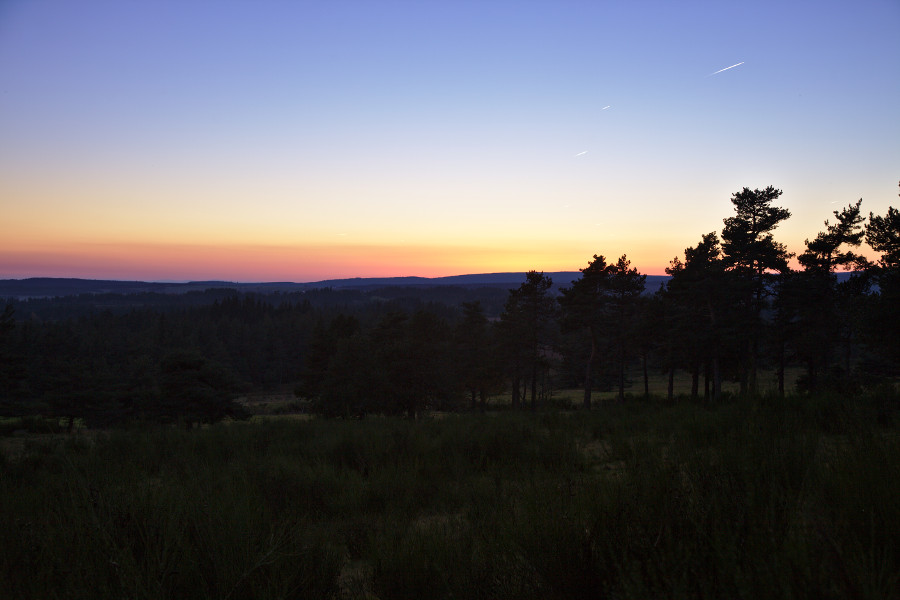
49	287
504	280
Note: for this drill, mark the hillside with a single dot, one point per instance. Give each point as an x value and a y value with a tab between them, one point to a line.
48	287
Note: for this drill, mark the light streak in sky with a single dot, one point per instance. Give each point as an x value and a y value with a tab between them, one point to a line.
726	68
582	153
605	107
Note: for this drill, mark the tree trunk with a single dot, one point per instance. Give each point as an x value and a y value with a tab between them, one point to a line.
695	380
781	366
706	381
670	395
752	388
589	369
516	400
812	375
754	339
745	377
848	353
717	380
646	378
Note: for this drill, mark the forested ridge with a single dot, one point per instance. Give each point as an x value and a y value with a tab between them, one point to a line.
731	309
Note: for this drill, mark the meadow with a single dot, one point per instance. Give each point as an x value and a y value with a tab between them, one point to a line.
776	498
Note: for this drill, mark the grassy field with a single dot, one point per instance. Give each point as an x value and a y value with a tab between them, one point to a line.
658	383
792	498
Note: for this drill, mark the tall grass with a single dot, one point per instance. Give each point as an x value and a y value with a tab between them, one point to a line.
741	501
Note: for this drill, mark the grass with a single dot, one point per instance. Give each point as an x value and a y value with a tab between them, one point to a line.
771	499
657	383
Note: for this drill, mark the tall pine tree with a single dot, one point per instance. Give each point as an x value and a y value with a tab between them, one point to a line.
751	256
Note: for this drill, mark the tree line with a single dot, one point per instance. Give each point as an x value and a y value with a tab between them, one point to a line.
731	308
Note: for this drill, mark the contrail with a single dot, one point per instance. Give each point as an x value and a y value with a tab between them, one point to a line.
580	153
726	68
605	107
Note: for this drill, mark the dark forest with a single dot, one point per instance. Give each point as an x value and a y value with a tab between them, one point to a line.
731	309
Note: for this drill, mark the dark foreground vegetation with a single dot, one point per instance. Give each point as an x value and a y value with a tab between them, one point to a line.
780	498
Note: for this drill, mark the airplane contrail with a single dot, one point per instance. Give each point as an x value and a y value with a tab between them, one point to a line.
580	153
726	68
605	107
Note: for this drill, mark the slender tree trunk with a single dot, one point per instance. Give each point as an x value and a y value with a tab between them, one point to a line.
781	366
745	378
516	400
695	380
751	384
717	380
706	381
621	381
671	391
546	390
534	377
754	339
812	375
589	370
646	377
847	356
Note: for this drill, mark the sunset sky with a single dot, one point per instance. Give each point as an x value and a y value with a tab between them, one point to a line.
306	140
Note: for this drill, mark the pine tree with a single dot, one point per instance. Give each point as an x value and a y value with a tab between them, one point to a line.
583	308
604	301
751	254
473	353
625	288
883	235
525	326
698	309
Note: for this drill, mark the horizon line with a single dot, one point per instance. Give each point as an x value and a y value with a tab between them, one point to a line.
293	282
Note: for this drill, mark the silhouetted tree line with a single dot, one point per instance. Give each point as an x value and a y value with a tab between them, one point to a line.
169	362
56	308
731	307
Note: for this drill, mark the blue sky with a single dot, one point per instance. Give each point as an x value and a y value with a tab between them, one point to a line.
301	140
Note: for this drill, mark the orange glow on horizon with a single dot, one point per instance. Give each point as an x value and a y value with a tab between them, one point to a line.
260	263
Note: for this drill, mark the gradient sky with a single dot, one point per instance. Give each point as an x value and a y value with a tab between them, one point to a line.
305	140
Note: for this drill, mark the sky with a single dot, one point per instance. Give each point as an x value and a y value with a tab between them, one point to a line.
308	140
